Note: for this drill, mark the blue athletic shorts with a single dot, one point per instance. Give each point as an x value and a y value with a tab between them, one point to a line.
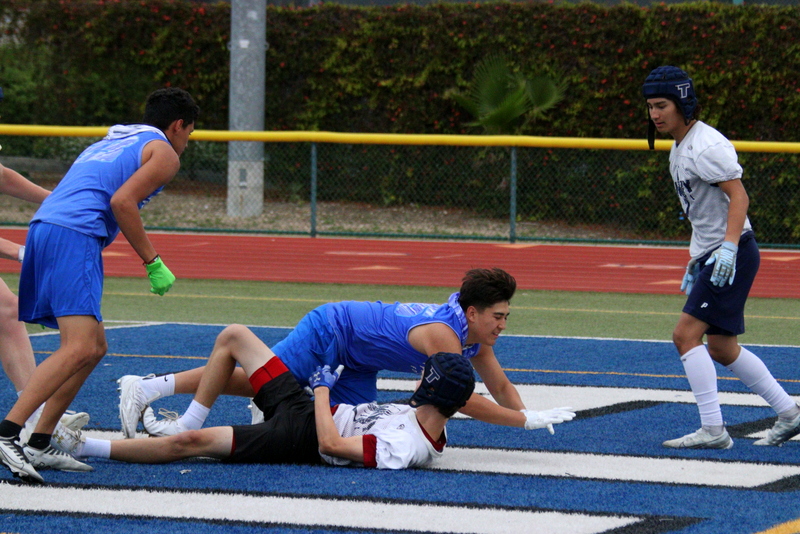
723	307
62	275
313	342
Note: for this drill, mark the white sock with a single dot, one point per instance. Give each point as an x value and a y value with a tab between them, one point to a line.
30	424
751	370
158	386
97	448
35	415
702	377
195	416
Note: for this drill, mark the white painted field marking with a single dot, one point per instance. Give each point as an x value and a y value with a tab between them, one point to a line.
595	466
302	511
591	397
610	467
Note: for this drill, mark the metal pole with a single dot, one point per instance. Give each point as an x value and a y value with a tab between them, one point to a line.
513	200
246	103
313	189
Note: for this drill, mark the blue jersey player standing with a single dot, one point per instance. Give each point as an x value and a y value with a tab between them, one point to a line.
724	261
364	338
61	283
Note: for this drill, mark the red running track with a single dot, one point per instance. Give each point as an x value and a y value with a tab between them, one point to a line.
624	269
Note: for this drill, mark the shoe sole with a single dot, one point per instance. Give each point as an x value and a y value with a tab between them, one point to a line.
123	392
710	445
67	469
75	421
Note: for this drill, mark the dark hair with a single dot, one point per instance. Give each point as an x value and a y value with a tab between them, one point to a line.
695	111
166	105
483	288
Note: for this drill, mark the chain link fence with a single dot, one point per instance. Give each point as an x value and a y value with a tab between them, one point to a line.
429	189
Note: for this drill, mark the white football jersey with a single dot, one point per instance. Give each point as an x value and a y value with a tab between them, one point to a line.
703	159
393	438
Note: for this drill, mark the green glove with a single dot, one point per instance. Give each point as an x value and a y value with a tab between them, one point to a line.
161	278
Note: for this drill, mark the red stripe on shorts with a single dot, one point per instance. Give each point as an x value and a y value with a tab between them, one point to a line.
272	369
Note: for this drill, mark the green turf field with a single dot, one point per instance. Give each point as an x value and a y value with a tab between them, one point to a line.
608	315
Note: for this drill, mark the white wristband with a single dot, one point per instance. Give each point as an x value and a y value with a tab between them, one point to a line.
21	253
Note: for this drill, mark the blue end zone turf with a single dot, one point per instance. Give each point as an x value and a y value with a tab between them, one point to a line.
651	407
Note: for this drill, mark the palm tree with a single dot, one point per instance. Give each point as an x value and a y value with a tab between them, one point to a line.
504	102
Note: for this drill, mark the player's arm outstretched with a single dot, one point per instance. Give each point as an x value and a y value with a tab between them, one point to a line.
509	410
14	184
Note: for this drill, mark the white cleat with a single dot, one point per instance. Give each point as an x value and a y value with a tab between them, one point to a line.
701	440
70	419
68	441
168	426
52	458
74	421
781	432
132	402
14	459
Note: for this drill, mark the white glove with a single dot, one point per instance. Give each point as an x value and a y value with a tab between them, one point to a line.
21	253
724	260
547	418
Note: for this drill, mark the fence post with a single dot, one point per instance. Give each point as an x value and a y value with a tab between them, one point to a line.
513	200
313	189
246	102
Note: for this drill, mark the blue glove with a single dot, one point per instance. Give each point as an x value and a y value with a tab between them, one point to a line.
323	377
692	272
724	260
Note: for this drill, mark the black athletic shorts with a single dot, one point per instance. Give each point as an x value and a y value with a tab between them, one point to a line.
288	434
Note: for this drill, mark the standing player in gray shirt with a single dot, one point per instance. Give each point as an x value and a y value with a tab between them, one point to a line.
724	262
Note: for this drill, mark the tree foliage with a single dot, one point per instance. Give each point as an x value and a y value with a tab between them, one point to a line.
392	69
503	101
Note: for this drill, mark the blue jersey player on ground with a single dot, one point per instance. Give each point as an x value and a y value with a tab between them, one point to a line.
724	261
364	338
61	283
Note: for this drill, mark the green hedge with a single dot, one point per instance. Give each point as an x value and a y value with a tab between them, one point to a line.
389	69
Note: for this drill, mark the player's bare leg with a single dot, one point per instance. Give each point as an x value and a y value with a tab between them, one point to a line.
235	344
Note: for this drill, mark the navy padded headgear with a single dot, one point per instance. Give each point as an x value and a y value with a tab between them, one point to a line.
447	381
673	83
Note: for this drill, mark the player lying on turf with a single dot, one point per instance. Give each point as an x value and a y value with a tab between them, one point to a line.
300	430
367	337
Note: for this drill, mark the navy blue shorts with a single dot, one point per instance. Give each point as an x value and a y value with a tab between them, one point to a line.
723	307
62	275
